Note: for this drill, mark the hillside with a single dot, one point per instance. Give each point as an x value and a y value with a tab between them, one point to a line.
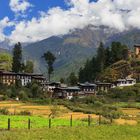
71	50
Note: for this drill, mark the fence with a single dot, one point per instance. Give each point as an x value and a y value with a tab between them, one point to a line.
72	122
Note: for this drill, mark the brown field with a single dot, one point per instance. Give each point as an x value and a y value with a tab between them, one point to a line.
42	110
63	112
125	122
131	111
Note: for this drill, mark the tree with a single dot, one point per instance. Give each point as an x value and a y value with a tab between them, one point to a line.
29	67
125	54
109	75
108	57
118	51
72	79
100	59
36	90
62	80
17	58
49	58
5	61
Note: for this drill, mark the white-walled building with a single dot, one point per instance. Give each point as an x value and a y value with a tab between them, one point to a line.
125	82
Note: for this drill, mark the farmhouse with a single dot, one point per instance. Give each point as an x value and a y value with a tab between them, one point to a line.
52	85
104	86
125	82
9	78
65	92
88	88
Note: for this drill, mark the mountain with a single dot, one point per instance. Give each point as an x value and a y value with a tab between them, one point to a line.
129	38
71	50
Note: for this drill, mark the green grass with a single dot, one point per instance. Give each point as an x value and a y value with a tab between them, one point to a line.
37	122
103	132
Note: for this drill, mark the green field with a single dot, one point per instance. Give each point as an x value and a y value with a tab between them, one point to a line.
21	122
103	132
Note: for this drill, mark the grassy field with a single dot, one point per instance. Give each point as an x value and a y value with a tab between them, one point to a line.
103	132
38	122
61	129
40	115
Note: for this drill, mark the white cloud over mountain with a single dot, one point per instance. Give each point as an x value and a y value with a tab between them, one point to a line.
118	14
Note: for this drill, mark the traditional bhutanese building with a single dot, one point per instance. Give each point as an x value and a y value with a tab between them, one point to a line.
9	78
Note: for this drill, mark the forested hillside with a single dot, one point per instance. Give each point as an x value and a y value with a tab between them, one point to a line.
110	64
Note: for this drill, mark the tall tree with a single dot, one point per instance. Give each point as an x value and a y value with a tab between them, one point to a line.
108	57
50	59
100	59
118	51
17	58
72	79
29	67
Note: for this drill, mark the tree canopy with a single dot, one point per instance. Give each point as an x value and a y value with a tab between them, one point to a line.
49	58
17	58
5	61
95	69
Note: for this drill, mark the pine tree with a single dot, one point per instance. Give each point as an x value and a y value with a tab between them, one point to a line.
72	79
100	59
49	58
17	58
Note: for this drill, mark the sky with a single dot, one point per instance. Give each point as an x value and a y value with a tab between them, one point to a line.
35	20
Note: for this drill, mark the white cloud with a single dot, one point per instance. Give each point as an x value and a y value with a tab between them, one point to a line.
117	14
19	6
5	22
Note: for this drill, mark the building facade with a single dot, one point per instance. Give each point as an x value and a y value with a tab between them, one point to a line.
125	82
10	78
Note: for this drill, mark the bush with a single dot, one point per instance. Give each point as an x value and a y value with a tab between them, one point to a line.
23	95
25	113
4	111
112	114
5	97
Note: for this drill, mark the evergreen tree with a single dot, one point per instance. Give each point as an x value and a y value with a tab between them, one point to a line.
108	57
125	54
17	58
49	58
29	67
100	59
117	51
94	68
62	80
72	79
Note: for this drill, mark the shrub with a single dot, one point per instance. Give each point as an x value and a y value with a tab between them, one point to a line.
25	112
23	95
4	111
5	97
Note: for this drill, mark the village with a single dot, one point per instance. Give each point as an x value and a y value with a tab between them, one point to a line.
63	91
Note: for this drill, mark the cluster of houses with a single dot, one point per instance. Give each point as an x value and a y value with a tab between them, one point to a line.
58	90
62	91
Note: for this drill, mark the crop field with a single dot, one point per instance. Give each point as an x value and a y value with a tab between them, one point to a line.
121	129
42	110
